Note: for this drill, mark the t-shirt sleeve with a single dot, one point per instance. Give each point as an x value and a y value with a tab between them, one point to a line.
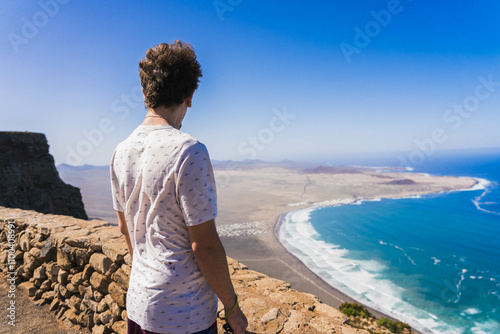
196	190
116	189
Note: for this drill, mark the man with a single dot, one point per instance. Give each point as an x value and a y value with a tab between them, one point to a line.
165	199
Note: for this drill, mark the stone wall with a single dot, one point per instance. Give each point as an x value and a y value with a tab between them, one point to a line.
81	268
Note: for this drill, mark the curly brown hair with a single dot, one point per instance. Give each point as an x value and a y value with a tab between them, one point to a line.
169	74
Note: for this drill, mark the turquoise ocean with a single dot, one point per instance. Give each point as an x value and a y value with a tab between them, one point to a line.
432	261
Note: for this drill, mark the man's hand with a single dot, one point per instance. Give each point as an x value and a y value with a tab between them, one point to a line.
237	321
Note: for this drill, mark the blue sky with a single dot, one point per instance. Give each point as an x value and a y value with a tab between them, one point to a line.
281	80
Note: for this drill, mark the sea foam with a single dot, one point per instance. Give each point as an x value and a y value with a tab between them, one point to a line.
360	279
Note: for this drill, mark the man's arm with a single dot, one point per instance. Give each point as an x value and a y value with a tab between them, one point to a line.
122	224
211	258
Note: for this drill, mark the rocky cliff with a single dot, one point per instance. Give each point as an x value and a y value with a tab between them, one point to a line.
29	178
81	268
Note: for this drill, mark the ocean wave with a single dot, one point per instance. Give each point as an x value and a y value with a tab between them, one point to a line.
477	200
472	311
400	249
360	279
487	327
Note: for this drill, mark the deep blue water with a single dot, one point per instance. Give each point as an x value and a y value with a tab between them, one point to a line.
432	261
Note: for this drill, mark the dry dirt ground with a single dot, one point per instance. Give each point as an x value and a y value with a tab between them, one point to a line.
30	319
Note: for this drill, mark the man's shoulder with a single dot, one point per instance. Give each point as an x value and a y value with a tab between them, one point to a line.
190	143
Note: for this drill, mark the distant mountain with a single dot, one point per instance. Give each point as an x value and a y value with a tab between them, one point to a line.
250	164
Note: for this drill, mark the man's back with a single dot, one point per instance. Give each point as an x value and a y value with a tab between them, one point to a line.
163	181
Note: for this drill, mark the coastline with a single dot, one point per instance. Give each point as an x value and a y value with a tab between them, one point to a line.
337	293
265	253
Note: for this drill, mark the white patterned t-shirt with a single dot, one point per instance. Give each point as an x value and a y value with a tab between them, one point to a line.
162	179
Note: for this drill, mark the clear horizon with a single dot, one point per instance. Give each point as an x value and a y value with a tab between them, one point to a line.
317	81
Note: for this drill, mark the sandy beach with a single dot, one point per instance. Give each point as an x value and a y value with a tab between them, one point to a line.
252	202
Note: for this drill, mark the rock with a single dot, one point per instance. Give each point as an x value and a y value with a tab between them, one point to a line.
350	330
77	279
62	309
297	322
124	315
121	278
329	312
108	299
98	296
71	316
115	251
29	178
49	295
40	302
38	294
29	287
126	269
283	298
97	320
64	292
24	242
107	318
52	271
64	257
87	272
86	318
62	276
116	310
74	302
46	285
54	305
118	294
120	327
322	325
270	315
89	303
48	252
99	282
101	329
271	284
101	263
72	288
87	291
128	259
82	289
102	306
79	241
31	260
81	256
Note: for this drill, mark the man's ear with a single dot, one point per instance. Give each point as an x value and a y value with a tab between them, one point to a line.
189	100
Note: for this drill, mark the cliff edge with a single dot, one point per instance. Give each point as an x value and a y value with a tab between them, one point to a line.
29	179
81	269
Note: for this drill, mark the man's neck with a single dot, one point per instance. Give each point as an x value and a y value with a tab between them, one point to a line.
162	115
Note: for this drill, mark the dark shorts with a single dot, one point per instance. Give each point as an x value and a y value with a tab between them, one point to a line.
133	328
